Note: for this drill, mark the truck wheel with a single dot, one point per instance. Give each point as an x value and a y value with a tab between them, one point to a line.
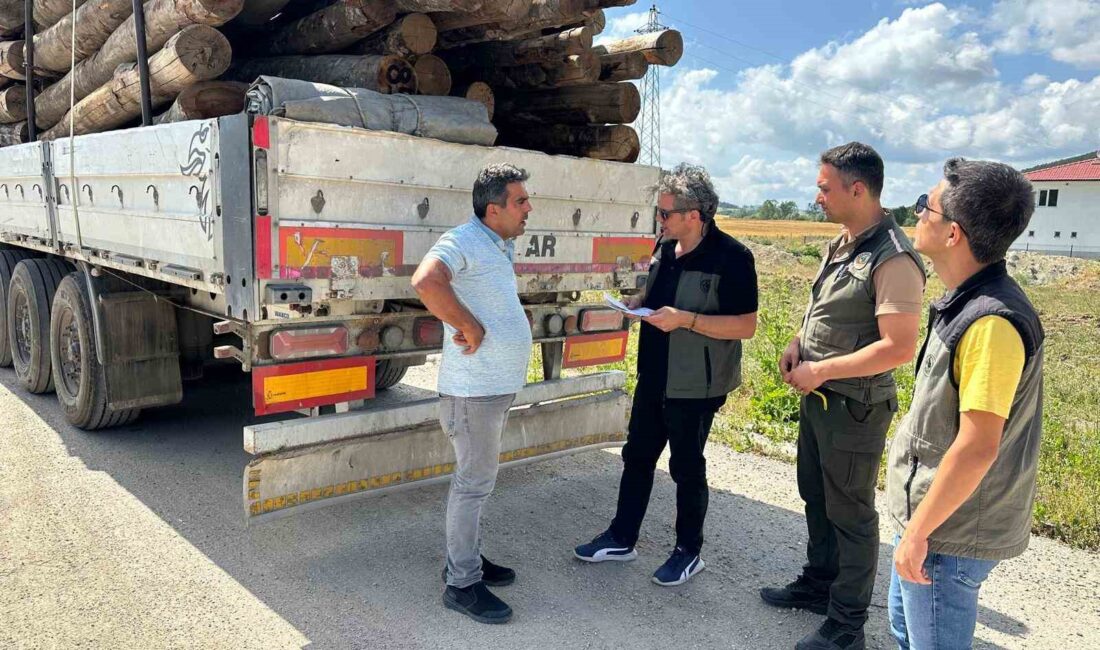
79	379
388	373
33	285
8	259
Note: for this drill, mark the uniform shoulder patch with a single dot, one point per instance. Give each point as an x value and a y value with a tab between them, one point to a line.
861	261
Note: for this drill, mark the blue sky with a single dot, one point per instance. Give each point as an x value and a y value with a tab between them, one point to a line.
763	87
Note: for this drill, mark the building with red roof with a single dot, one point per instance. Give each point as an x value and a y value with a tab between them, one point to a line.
1067	208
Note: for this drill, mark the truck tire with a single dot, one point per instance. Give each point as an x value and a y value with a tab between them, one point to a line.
8	259
30	294
388	373
79	379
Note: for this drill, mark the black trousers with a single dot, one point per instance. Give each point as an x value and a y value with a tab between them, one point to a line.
684	425
839	450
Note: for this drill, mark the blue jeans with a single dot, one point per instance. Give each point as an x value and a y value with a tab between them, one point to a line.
942	615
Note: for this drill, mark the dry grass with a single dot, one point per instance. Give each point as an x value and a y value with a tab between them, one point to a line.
759	228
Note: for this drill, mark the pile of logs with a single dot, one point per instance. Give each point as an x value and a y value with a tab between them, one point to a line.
532	63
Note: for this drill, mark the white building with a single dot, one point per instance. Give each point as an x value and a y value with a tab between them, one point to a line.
1067	208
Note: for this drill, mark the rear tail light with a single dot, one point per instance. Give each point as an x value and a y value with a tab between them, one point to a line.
312	342
601	320
428	331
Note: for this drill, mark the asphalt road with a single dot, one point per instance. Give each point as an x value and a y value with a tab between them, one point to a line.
135	538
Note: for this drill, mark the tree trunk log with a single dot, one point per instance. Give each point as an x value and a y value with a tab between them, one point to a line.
408	36
13	104
540	49
204	100
331	29
463	29
13	134
616	142
617	103
163	19
569	71
258	12
660	48
197	53
11	17
385	74
433	77
48	12
480	92
426	6
95	22
624	66
11	60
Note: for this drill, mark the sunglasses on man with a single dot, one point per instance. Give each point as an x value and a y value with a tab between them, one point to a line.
663	214
922	204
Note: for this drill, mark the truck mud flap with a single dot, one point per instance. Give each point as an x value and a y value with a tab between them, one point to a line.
401	447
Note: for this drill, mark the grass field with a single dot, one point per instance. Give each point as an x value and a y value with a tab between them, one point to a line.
760	229
762	415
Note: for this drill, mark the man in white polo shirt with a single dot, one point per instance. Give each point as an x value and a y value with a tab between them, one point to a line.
467	281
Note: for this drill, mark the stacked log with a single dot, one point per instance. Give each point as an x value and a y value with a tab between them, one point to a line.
13	104
205	100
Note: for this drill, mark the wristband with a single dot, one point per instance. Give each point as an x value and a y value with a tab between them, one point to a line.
693	318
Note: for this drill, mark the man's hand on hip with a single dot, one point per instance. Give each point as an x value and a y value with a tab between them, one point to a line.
470	338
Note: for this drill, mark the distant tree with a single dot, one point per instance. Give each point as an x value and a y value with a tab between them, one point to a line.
768	210
904	216
788	210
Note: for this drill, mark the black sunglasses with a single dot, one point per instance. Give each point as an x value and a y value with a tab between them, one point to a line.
922	205
663	214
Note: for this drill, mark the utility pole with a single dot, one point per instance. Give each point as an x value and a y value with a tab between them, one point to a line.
649	122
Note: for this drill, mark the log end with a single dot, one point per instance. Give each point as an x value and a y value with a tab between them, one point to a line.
396	75
433	77
667	50
480	92
419	33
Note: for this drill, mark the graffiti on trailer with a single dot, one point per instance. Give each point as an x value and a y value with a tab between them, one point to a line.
197	167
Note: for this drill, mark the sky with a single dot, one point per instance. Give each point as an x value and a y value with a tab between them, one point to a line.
764	87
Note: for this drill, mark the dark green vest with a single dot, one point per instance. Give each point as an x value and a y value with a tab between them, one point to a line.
841	316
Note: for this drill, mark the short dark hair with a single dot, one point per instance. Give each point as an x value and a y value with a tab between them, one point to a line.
857	162
492	184
991	201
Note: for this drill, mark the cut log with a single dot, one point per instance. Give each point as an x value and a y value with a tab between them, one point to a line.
408	36
385	74
624	66
480	92
540	49
197	53
258	12
569	71
163	19
433	77
13	134
11	17
95	22
48	12
11	60
204	100
660	48
462	29
597	5
331	29
13	104
426	6
617	103
616	142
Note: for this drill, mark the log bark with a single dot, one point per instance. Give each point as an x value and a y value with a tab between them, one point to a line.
13	134
433	77
615	142
197	53
462	29
13	104
385	74
569	71
617	103
624	66
258	12
660	48
426	6
48	12
480	92
407	36
163	19
11	60
539	49
331	29
11	17
95	22
204	100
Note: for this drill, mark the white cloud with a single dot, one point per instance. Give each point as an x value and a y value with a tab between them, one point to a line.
621	27
1066	29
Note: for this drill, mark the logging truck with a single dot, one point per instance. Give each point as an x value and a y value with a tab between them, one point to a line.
132	259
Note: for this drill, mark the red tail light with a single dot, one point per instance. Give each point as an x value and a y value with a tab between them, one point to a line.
428	331
601	320
312	342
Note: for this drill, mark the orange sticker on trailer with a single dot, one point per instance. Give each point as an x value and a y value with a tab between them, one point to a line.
594	349
608	250
292	386
307	252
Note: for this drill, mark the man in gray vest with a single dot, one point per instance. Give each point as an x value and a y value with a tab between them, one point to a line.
962	466
863	321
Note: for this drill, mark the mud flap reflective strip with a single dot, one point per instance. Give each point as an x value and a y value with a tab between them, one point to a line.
287	387
594	349
285	483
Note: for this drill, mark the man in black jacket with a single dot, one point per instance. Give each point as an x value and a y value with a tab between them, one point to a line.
702	288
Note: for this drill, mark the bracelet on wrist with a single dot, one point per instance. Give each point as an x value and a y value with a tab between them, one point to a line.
694	317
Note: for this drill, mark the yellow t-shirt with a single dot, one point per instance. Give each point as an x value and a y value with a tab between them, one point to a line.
989	362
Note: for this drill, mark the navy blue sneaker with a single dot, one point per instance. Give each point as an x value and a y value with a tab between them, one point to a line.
678	568
605	549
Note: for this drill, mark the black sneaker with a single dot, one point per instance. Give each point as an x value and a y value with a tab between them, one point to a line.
833	635
493	575
678	568
477	602
605	548
797	595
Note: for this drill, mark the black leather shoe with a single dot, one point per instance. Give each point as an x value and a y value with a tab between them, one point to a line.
493	575
797	595
833	635
477	602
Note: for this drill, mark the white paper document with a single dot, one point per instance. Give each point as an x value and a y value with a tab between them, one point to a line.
640	312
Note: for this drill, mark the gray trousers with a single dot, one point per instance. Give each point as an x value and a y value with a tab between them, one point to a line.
474	425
